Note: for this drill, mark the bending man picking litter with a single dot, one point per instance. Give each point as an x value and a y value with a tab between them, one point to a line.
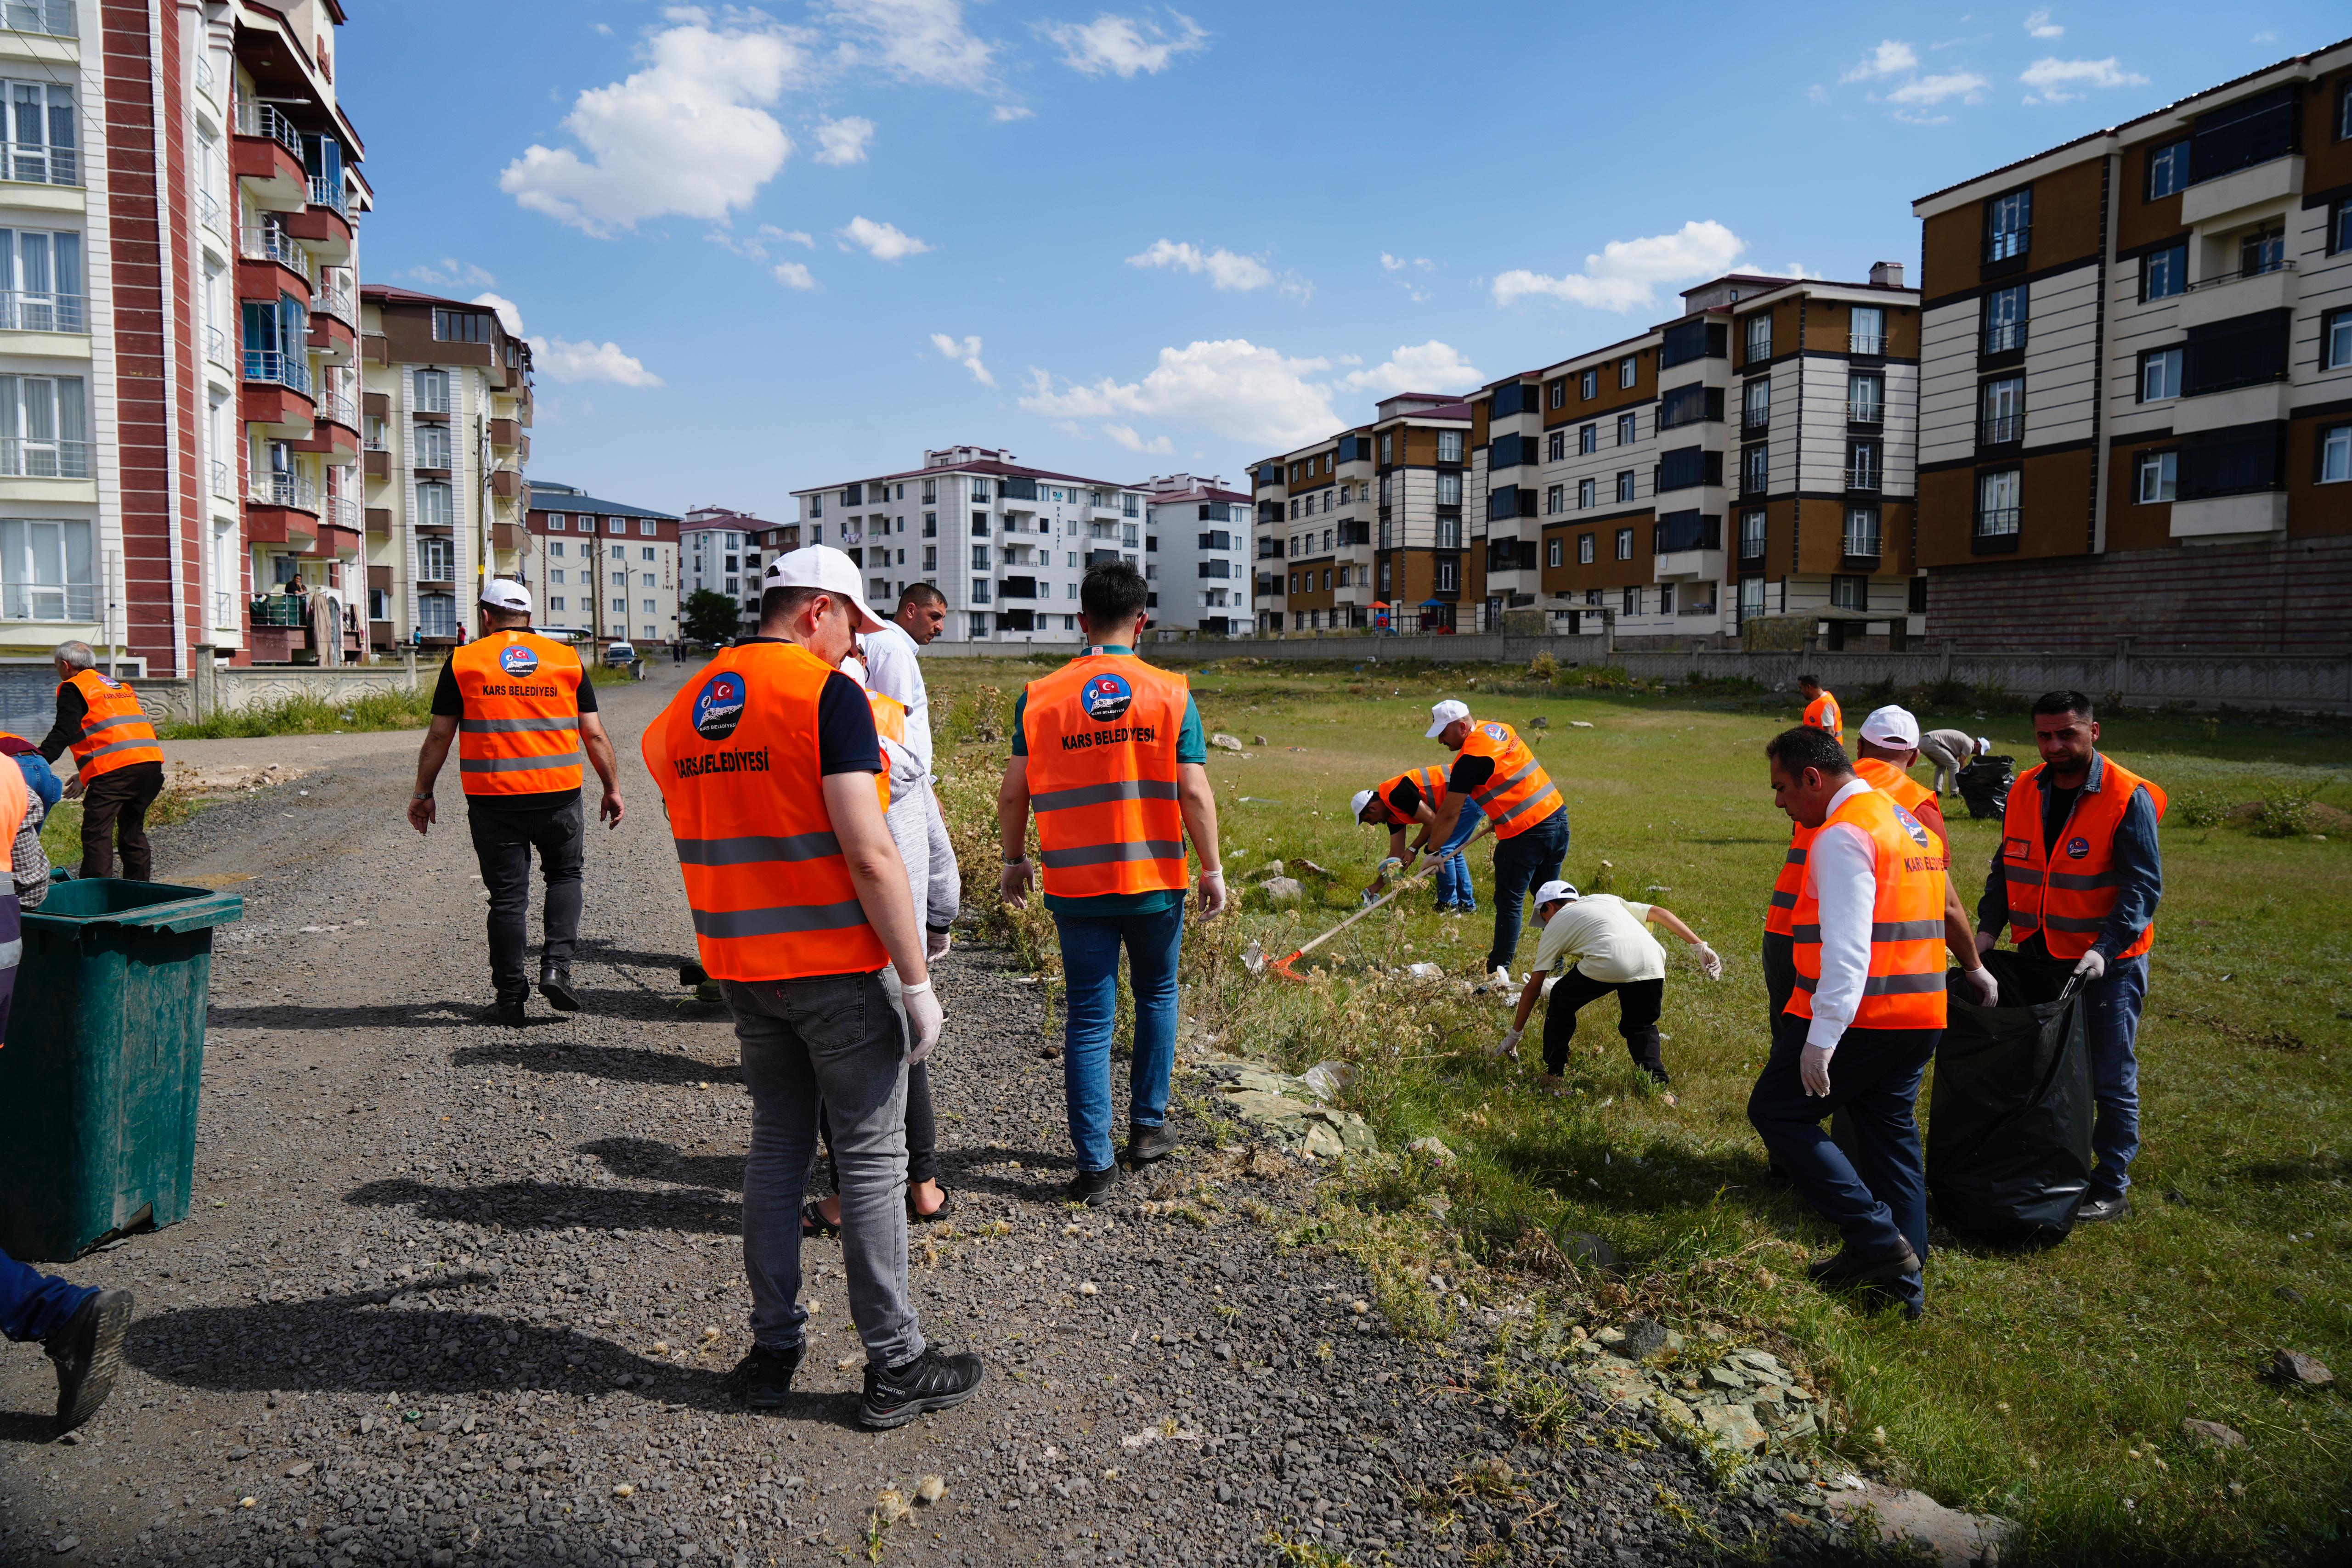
1599	944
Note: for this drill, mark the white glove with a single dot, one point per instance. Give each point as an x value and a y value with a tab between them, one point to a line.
1988	988
1211	895
1813	1068
924	1020
1388	867
1710	962
1986	942
2093	966
936	949
1509	1046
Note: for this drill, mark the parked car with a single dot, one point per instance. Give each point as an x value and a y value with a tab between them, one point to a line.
620	655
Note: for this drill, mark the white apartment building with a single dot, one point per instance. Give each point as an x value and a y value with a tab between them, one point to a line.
1196	534
721	551
602	572
1006	545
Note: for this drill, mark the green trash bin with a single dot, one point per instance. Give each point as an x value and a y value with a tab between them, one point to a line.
105	1052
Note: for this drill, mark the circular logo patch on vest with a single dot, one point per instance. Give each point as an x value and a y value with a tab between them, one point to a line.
1494	733
2077	849
517	659
718	706
1106	697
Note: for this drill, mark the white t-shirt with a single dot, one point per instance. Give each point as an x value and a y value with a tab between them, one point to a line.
1604	937
891	669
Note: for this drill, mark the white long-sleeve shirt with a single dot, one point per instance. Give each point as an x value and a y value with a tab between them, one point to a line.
892	669
1841	872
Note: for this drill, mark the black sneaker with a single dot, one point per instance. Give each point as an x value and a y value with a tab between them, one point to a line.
555	985
762	1379
1850	1267
929	1382
2099	1210
1145	1145
1091	1187
89	1352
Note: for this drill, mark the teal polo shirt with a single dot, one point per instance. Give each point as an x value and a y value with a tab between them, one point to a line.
1191	745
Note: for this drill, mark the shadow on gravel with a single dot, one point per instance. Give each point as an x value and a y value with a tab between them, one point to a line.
622	1064
410	1015
647	1159
546	1205
25	1427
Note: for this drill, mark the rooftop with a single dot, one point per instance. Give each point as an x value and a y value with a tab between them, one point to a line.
985	465
549	496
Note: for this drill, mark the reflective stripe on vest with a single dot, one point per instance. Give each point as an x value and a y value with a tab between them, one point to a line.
115	731
2070	907
735	755
1521	794
520	734
1780	913
1101	733
1905	988
1430	782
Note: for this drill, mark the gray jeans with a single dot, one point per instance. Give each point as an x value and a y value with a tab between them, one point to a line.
836	1038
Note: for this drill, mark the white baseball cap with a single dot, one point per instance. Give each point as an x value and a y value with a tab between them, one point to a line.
1363	797
827	570
1447	712
1983	745
1557	893
505	593
1890	727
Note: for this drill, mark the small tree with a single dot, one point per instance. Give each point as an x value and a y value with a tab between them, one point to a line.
711	617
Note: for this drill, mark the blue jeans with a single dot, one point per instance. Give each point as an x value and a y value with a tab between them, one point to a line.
1523	864
1453	889
34	1305
1090	947
2111	1018
1880	1195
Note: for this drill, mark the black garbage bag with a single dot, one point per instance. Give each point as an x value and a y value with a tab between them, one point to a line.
1984	785
2008	1119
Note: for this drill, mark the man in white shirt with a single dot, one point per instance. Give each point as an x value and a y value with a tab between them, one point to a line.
893	670
1951	750
1875	906
1597	946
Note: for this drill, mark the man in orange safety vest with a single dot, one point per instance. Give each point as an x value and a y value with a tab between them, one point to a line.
118	762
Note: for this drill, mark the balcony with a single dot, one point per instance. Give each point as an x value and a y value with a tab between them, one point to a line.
335	429
36	163
22	458
275	610
211	216
275	487
324	221
2003	338
223	480
1860	547
1751	551
2000	430
1995	532
270	242
22	311
281	508
266	156
2252	514
74	603
276	394
284	370
2275	178
2239	293
1866	414
334	296
1865	342
1864	476
1754	422
52	17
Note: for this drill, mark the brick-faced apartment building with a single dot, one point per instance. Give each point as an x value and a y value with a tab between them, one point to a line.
601	571
2136	399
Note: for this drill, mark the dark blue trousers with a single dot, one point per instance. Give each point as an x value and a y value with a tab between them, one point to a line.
34	1305
1881	1193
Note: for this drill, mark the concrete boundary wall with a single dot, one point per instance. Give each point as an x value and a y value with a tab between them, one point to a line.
217	690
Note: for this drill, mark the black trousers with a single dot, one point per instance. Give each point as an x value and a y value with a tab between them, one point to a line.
503	843
114	814
1638	1002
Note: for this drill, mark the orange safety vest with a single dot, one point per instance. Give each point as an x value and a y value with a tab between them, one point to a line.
1780	915
1822	713
1520	795
1101	732
1905	987
521	732
736	759
1430	782
2070	904
115	731
15	802
890	724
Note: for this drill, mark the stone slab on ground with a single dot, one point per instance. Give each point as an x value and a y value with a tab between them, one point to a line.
1959	1540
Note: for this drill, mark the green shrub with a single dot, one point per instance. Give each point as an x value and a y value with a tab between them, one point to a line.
311	716
1543	667
2200	808
2287	811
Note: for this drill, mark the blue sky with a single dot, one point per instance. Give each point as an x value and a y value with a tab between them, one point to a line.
763	248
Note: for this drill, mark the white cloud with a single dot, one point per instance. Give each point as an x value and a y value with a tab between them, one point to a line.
1006	113
966	353
1398	262
1798	270
1922	91
510	313
797	237
1890	59
1159	445
2039	24
589	362
918	40
450	273
1424	367
1122	46
755	246
794	274
1626	271
2052	79
689	133
883	242
1226	270
1817	93
843	142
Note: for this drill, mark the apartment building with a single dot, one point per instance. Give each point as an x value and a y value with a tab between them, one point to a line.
598	570
2136	399
1005	544
1197	534
448	408
177	327
1752	460
721	551
1364	530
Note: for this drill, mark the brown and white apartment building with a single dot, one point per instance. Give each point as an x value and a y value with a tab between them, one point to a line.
179	190
2136	401
601	570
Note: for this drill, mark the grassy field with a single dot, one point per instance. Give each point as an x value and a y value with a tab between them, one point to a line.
2049	1387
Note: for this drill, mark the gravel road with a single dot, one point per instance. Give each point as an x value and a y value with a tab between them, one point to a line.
454	1294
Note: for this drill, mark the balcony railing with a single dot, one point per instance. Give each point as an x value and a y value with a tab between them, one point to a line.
337	406
272	487
1861	544
286	370
1863	476
224	612
1752	483
2240	273
2002	336
267	242
55	17
26	311
277	609
205	83
332	295
266	120
342	512
217	346
223	479
1751	548
1997	522
1867	412
21	458
36	164
1865	343
1755	421
208	212
326	193
74	602
1995	428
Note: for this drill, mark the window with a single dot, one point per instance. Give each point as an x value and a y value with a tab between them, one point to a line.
1755	470
980	525
1552	550
44	428
555	522
2002	411
437	614
1584	549
1666	599
1588	385
1866	398
2239	136
981	588
40	281
647	526
1860	531
979	558
1755	406
1998	495
2344	112
1585	493
1625	485
1628	428
1625	371
2004	319
436	559
555	549
436	506
2164	273
555	576
1862	466
1449	575
47	571
1449	489
1555	499
1556	395
1759	337
460	326
1751	597
817	505
1449	533
1556	449
1449	446
2340	227
1751	534
2009	225
38	123
732	585
2263	250
2158	472
1587	439
1387	449
1849	593
980	489
432	391
2159	375
2167	170
1630	603
2335	339
1624	544
1867	334
2242	351
2335	455
975	625
432	447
